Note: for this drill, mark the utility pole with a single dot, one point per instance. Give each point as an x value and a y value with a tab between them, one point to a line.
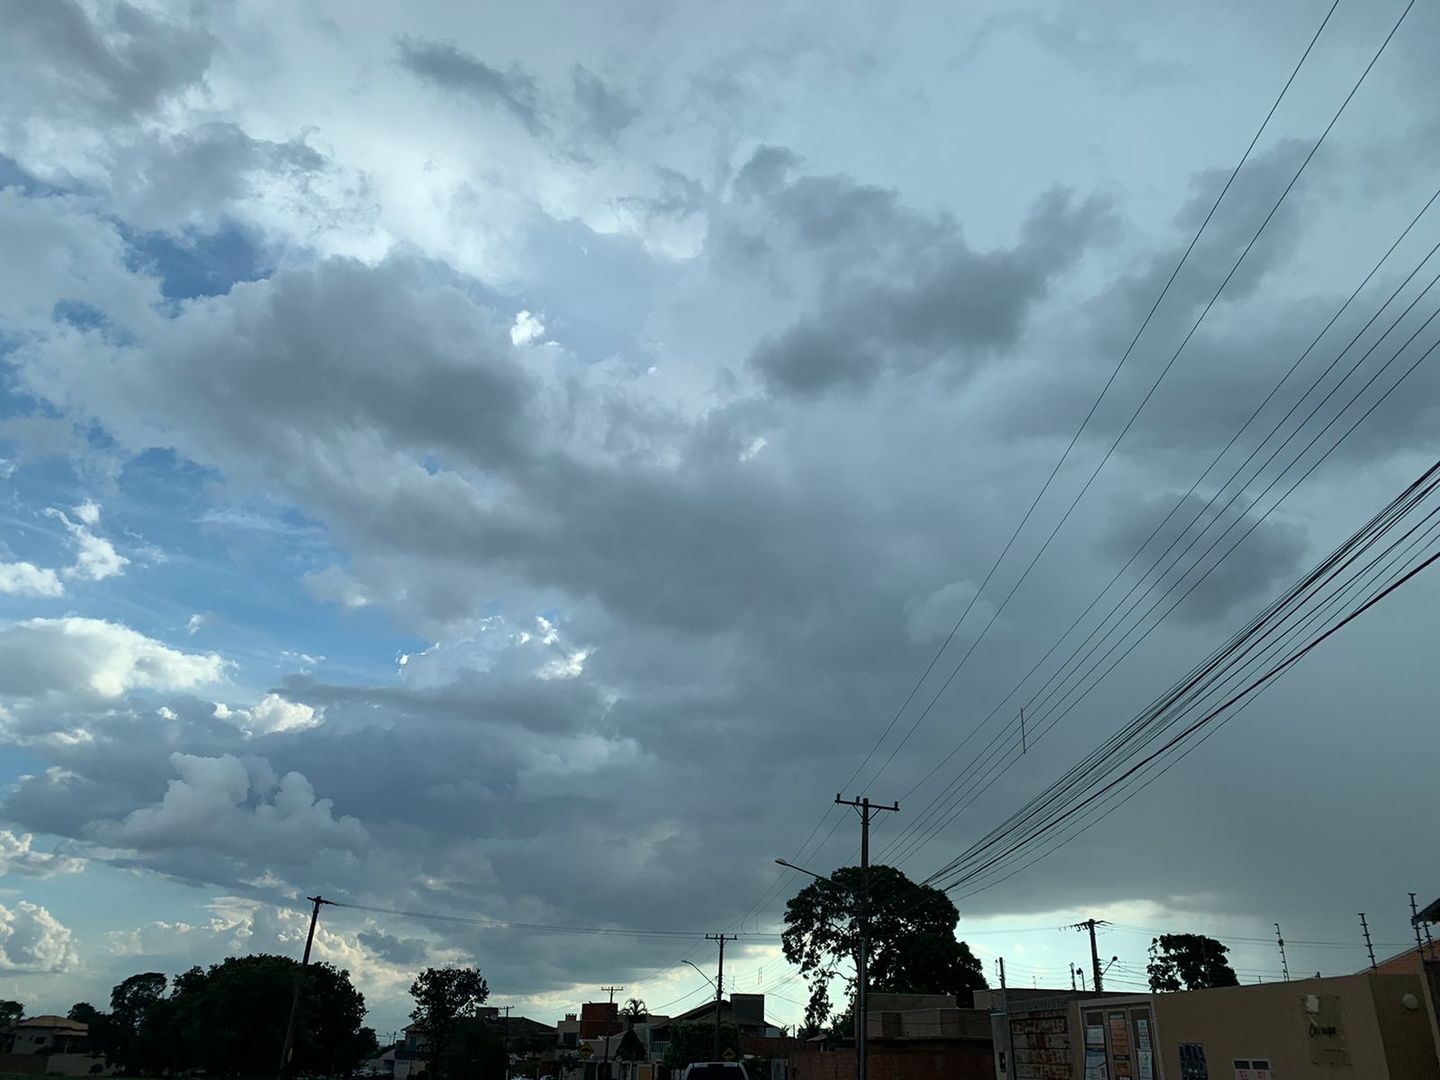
1072	978
299	980
862	1021
505	1040
1280	941
1368	947
605	1061
1415	925
1080	970
719	983
1005	1008
1090	925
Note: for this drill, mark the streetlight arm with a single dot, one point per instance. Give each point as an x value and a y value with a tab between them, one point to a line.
791	866
702	974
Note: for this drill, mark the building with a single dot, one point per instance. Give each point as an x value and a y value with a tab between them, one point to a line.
567	1032
49	1035
1375	1026
745	1011
910	1037
599	1018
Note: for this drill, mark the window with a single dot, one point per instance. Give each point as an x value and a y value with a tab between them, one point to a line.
1192	1062
1252	1068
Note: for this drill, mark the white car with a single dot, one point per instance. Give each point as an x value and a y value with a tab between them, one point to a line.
715	1070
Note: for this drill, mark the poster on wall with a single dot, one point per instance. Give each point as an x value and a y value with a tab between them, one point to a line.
1095	1064
1144	1054
1120	1047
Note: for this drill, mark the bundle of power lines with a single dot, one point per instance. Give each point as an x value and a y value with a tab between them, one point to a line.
1390	550
1331	387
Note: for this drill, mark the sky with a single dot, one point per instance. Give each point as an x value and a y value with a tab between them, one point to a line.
511	463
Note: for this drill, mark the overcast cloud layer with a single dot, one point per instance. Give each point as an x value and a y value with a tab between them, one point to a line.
515	464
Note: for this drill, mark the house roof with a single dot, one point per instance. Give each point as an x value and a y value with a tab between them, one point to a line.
708	1009
56	1023
1430	912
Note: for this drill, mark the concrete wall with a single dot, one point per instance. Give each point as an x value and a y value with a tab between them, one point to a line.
1271	1021
1405	1032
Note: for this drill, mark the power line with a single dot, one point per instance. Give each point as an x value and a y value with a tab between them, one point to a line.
1180	582
974	863
926	815
1277	605
995	614
541	928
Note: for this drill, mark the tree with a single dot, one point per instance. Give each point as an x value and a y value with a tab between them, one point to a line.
136	1009
635	1009
11	1013
913	948
695	1041
475	1049
1193	961
82	1012
103	1036
230	1020
443	996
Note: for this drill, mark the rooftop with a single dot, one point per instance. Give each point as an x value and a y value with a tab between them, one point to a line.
58	1023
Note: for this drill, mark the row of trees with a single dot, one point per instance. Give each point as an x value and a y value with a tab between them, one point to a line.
226	1020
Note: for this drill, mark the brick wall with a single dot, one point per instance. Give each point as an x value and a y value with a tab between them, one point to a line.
960	1061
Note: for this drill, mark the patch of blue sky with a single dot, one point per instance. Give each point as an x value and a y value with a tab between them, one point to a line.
193	264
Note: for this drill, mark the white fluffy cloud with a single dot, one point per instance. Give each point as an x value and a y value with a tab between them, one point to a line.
273	714
27	579
240	808
33	940
75	656
18	856
95	557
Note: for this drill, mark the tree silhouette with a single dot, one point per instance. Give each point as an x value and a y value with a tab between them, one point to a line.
1191	961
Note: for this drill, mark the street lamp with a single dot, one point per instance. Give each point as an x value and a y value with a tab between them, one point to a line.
861	991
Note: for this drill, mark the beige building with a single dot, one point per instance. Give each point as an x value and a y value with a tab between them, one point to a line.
1364	1027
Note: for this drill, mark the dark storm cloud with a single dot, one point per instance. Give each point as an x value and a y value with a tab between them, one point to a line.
410	951
901	292
119	65
449	67
1269	556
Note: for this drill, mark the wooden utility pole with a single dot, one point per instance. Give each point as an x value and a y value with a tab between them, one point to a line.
299	980
1090	925
865	808
719	983
605	1062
